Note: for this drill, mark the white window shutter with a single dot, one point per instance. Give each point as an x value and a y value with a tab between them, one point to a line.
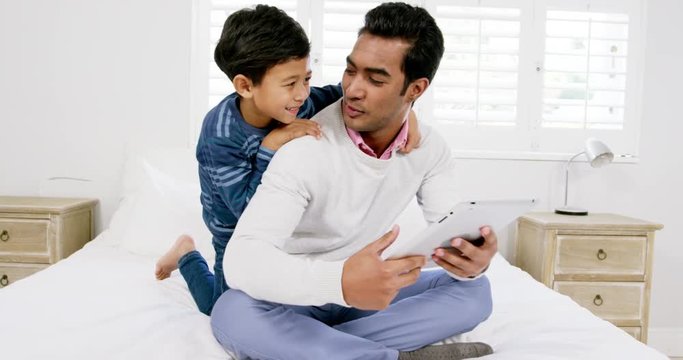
477	82
585	69
592	65
527	79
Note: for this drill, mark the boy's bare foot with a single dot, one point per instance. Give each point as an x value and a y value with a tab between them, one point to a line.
169	261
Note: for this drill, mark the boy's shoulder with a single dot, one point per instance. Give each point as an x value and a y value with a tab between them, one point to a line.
224	124
226	108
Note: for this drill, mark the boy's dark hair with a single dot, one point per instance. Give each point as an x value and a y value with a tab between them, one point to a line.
414	25
254	40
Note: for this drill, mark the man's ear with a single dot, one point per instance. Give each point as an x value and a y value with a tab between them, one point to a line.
417	88
243	86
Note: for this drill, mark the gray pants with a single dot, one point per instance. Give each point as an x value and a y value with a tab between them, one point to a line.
434	308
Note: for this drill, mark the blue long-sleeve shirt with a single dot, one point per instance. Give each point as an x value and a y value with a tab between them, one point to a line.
232	160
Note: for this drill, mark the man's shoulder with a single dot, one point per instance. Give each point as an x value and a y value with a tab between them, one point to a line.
432	140
308	147
307	151
330	115
302	161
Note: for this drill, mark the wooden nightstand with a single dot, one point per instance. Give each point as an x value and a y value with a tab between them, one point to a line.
36	232
602	261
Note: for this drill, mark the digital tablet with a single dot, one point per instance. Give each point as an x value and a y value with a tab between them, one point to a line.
464	221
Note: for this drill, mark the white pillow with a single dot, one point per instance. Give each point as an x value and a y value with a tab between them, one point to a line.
161	202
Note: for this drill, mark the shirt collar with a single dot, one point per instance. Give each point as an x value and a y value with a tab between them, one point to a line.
400	140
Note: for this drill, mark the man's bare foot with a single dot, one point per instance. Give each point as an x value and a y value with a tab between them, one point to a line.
169	261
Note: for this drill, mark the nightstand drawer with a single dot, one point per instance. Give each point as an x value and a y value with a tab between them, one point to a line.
618	302
24	240
582	257
9	273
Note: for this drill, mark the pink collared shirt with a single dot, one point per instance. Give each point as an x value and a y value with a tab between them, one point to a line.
399	141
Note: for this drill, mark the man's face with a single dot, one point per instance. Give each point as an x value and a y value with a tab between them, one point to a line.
283	90
372	85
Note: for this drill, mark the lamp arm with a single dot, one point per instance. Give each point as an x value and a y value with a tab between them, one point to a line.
566	176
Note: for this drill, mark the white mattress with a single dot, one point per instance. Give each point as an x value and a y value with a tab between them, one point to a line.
104	303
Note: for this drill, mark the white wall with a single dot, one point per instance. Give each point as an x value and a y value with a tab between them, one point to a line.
82	81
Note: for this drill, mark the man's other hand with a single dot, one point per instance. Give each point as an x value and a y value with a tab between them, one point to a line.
465	259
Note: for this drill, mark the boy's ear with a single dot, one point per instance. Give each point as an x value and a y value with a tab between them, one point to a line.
417	88
243	86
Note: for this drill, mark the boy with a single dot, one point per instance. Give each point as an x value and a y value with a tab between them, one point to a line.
264	52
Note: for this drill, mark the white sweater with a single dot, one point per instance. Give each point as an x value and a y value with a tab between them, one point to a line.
321	201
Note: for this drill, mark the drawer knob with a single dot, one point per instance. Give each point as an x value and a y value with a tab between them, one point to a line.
4	236
602	255
4	281
597	300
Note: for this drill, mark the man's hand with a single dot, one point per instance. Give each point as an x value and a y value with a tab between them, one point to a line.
465	259
369	283
285	133
414	136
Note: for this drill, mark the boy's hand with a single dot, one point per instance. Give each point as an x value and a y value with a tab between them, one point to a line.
369	283
414	135
283	134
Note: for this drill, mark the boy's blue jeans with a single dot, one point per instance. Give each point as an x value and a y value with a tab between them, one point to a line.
434	308
204	286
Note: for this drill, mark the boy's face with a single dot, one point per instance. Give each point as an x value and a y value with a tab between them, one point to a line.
372	85
282	90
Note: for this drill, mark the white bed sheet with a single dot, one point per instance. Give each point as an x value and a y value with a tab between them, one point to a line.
104	303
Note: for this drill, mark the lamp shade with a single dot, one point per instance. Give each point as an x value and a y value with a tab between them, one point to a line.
597	153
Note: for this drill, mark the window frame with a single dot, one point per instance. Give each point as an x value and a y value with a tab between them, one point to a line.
526	141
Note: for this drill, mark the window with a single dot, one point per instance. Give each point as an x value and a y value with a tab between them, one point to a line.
519	78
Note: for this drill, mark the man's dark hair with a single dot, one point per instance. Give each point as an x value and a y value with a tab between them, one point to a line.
254	40
414	25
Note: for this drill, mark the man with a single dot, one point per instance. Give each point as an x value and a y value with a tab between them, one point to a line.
305	260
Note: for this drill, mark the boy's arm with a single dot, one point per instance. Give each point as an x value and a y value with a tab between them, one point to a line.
320	98
235	175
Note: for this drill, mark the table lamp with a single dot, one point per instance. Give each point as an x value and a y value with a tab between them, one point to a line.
598	154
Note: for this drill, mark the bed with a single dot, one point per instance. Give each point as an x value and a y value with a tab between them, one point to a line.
103	301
